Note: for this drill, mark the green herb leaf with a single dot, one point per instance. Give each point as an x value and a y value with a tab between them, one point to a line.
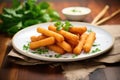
58	55
67	25
28	13
53	14
26	47
90	30
16	3
96	50
59	25
75	55
46	18
12	30
59	28
31	22
44	5
40	51
74	10
94	45
64	26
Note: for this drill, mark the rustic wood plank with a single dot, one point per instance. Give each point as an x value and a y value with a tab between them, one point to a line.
38	72
4	41
2	5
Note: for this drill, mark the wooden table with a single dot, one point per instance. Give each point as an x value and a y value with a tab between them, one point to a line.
11	71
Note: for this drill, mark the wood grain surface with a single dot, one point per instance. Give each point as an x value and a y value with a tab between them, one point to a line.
11	71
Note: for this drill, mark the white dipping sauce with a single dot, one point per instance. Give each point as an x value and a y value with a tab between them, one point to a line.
76	10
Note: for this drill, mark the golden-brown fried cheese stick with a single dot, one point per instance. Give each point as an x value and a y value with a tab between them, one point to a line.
84	37
43	42
89	42
67	47
79	47
66	34
46	32
73	44
78	30
36	38
56	48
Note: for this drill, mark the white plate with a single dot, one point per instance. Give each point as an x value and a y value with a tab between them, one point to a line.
23	37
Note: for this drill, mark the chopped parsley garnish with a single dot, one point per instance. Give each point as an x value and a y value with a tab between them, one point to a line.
75	55
57	55
96	50
59	25
74	10
64	26
67	25
40	51
26	47
94	45
90	30
50	55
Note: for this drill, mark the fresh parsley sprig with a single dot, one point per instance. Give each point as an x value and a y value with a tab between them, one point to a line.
96	50
40	51
89	30
60	25
26	47
94	45
74	56
58	55
28	13
67	26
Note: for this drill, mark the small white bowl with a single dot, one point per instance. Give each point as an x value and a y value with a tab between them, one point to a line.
76	13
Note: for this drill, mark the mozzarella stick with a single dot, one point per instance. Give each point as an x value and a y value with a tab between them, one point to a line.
56	48
66	34
67	47
37	38
82	41
78	30
73	44
41	43
89	42
46	32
